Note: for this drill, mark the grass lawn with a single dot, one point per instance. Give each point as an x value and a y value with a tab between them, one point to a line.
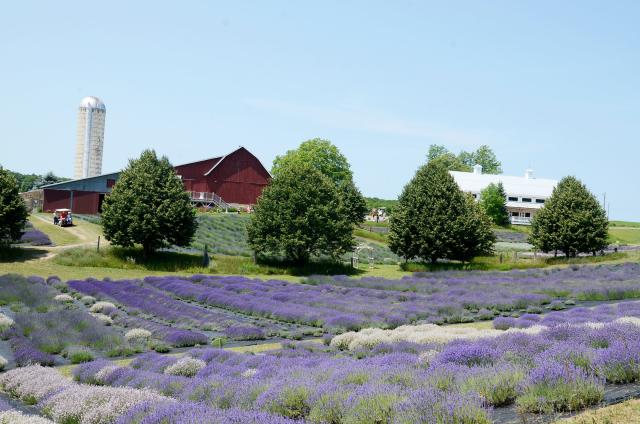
370	235
625	235
625	412
58	235
84	262
627	224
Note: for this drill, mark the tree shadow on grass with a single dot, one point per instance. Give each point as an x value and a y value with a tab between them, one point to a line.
18	254
317	267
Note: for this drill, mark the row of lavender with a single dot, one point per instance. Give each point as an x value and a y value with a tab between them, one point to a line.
141	298
45	327
627	310
34	237
565	368
340	303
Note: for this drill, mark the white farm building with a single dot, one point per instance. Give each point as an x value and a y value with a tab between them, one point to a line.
525	195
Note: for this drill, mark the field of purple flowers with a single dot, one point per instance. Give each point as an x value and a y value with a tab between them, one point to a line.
156	306
547	361
564	368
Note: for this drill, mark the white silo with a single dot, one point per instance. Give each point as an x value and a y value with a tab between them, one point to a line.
90	138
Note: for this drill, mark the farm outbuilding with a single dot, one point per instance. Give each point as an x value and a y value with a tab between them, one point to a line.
236	179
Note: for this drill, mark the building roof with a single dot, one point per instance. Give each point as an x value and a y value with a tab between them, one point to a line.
475	182
71	184
92	102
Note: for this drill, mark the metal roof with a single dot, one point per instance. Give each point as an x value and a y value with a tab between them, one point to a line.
92	102
537	188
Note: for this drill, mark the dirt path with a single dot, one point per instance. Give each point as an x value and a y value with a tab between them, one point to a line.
85	233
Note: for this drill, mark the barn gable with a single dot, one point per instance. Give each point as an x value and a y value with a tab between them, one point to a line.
238	177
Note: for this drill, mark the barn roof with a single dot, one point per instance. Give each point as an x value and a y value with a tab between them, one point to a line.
513	185
81	182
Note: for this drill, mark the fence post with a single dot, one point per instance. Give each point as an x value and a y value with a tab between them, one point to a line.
98	244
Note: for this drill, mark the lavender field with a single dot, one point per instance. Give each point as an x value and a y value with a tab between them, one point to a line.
562	339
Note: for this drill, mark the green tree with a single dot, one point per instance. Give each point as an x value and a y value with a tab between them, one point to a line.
465	161
451	162
493	201
482	156
327	158
13	212
571	221
300	215
148	206
435	220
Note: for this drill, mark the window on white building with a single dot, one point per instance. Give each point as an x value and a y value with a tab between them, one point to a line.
526	199
513	199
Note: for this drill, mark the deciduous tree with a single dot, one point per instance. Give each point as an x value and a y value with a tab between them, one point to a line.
148	206
327	158
300	215
572	221
493	201
13	212
435	220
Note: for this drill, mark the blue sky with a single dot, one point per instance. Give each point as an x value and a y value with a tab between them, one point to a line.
550	85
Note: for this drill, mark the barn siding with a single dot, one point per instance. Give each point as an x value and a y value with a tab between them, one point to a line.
239	178
84	202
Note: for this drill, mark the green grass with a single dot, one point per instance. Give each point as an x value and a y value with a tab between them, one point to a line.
630	235
370	235
59	236
625	412
509	262
627	224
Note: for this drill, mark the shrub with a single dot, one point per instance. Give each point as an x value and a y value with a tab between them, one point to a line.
105	319
137	335
102	307
5	322
498	386
64	298
186	367
556	387
3	363
17	417
78	355
88	300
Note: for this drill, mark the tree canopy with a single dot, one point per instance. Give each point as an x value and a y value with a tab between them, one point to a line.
465	161
27	182
493	201
435	220
328	160
13	212
148	206
299	215
572	221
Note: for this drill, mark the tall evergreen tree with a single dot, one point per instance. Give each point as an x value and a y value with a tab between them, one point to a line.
300	215
435	220
493	201
327	158
13	212
572	221
148	206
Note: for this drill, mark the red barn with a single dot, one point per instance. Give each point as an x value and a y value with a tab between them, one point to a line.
237	179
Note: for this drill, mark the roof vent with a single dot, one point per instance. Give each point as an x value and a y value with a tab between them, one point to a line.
528	174
477	169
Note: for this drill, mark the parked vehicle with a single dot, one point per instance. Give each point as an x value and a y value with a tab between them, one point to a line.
62	217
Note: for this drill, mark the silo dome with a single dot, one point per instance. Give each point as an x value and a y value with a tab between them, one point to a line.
92	102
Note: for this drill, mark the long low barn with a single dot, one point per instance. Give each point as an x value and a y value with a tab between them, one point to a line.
236	179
